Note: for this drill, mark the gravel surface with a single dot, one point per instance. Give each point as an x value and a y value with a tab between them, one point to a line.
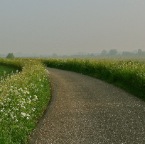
84	110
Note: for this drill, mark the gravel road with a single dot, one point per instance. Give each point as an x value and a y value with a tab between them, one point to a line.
84	110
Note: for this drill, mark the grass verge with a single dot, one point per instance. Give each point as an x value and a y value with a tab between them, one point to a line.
23	99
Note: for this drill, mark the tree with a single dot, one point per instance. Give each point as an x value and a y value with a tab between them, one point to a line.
140	52
10	55
113	52
103	53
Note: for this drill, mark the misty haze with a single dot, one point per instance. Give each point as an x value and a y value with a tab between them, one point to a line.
71	27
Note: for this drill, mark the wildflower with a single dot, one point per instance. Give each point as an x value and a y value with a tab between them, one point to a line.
2	110
27	92
33	109
23	114
12	115
35	98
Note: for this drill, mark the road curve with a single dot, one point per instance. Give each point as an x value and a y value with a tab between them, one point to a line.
84	110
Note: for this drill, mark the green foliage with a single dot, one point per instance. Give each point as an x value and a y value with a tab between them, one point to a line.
12	63
23	99
10	55
6	70
112	52
129	75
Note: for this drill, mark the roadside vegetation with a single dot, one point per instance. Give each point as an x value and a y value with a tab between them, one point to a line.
6	70
127	74
24	96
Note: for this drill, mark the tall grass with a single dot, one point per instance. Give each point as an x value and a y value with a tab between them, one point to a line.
6	70
127	74
23	99
17	63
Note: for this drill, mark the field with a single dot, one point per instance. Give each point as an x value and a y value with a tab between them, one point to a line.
25	93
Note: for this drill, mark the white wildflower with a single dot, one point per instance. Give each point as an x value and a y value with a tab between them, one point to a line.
23	114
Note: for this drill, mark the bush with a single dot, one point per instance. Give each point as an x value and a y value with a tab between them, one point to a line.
10	55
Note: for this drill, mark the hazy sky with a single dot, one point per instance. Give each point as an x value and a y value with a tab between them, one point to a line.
71	26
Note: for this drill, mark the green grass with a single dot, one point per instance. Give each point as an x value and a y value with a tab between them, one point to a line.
23	98
127	74
5	70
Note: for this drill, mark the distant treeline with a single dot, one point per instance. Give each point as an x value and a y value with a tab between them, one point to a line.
113	53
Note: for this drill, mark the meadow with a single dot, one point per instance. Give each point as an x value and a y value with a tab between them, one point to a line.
25	89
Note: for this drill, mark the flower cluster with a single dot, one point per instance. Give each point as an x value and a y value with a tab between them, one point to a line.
23	98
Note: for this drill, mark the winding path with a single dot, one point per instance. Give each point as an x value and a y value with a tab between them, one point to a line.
84	110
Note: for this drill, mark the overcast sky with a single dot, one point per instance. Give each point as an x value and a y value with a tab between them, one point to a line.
71	26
